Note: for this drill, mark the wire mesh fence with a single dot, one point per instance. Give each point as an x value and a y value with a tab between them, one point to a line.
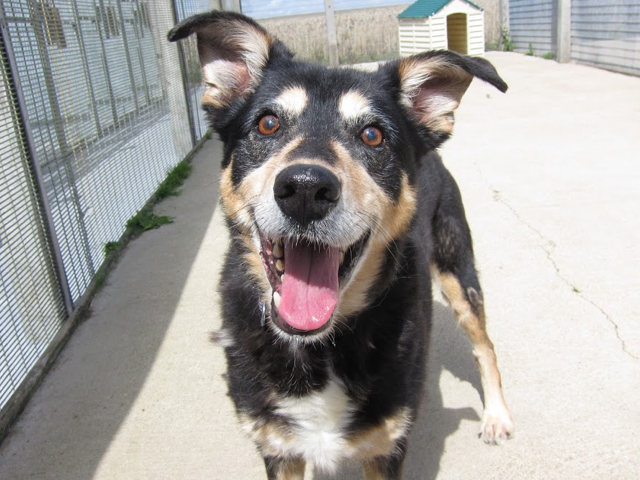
95	107
31	305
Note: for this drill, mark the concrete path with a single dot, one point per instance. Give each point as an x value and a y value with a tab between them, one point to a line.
550	174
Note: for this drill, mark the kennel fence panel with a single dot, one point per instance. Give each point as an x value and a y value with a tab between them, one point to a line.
105	112
191	63
31	301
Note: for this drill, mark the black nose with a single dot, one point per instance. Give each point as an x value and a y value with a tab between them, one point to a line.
306	192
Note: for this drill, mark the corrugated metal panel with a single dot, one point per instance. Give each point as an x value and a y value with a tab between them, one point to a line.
606	35
531	25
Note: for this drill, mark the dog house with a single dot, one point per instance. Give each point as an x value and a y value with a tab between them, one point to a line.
456	25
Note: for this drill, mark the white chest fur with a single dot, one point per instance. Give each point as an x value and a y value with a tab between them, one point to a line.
316	429
319	422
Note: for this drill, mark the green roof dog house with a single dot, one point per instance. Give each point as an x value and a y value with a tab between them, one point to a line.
456	25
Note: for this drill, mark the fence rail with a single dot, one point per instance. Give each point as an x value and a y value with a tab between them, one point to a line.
95	107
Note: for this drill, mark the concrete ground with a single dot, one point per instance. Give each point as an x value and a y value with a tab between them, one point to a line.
550	175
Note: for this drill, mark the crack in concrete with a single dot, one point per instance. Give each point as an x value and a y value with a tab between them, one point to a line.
497	196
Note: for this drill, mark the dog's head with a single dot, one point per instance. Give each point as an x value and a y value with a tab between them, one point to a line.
320	164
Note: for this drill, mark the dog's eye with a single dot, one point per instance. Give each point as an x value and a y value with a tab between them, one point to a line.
372	136
268	125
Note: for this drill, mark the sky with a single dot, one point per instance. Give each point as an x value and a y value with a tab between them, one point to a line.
278	8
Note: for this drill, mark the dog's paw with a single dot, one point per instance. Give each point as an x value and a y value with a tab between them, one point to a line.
497	427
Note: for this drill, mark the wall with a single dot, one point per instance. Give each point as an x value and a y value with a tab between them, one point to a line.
606	35
531	26
492	26
603	34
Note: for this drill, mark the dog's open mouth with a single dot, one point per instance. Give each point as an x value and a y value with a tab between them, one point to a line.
306	278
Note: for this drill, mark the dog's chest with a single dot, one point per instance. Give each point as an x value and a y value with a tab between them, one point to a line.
313	427
319	422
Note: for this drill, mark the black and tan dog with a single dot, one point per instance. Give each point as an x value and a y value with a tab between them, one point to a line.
340	212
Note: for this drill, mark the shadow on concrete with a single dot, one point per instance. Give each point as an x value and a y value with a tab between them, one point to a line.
97	378
449	350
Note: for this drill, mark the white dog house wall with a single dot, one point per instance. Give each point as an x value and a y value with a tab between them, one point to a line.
456	25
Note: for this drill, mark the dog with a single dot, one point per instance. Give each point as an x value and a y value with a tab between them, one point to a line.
340	214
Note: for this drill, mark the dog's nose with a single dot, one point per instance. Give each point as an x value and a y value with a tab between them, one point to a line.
306	192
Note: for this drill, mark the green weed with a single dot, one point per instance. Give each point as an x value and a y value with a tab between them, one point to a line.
112	247
175	178
505	39
146	220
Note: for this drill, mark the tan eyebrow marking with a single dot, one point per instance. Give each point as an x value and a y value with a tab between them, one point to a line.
353	105
293	100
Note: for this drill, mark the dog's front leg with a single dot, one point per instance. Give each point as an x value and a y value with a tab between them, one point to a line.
386	468
454	266
284	468
497	424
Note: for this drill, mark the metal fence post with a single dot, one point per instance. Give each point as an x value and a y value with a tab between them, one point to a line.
85	65
331	33
563	30
40	190
127	54
185	76
58	122
504	15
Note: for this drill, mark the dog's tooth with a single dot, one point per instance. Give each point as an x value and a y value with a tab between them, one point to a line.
278	251
276	299
341	257
280	265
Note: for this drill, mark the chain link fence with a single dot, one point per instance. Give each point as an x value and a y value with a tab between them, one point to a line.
95	108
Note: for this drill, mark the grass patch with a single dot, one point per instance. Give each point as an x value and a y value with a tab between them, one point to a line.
530	52
112	247
99	281
548	56
175	178
146	220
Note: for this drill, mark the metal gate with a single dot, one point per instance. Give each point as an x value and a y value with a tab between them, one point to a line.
95	107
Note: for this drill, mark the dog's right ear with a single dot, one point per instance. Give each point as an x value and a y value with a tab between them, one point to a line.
432	83
233	51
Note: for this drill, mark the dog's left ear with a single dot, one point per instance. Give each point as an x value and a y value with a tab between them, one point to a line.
432	84
233	52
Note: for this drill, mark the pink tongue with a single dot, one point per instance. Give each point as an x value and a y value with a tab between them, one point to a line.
309	292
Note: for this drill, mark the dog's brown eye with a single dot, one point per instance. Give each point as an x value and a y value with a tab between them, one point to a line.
268	125
372	136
